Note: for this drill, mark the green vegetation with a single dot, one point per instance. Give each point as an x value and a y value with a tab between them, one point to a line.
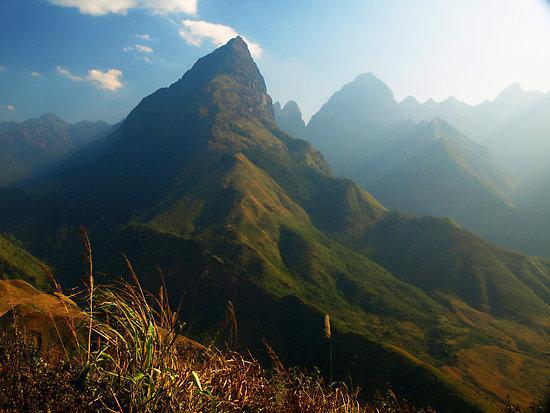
199	188
16	262
135	359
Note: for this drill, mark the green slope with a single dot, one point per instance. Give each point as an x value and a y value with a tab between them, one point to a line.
17	263
200	182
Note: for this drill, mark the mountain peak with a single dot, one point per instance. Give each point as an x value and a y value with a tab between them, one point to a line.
409	100
226	81
50	117
511	91
289	118
365	100
292	107
409	103
232	59
452	99
368	79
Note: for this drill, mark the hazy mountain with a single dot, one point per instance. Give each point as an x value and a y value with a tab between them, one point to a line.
290	118
4	125
200	181
33	146
424	168
482	122
486	119
451	109
437	171
516	128
523	141
364	112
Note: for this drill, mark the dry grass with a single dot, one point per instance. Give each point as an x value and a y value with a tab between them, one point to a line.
128	355
138	362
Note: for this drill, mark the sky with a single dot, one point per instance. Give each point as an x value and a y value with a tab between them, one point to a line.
96	59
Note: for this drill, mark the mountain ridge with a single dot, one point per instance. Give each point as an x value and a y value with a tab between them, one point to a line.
199	179
31	147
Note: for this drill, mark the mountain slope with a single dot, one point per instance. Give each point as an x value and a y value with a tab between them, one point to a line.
16	262
424	168
444	174
33	146
200	181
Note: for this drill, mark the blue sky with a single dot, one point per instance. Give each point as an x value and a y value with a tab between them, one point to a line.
96	59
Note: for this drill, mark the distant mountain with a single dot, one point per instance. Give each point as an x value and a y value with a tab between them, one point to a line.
479	122
201	181
31	147
424	168
486	119
437	171
515	127
523	141
451	109
290	118
7	125
364	112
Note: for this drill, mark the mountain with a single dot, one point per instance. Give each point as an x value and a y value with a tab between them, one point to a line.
363	113
515	128
437	171
4	125
31	147
289	118
523	141
479	122
420	168
200	183
489	117
450	109
37	315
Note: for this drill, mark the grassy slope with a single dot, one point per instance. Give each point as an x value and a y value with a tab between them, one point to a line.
235	209
16	262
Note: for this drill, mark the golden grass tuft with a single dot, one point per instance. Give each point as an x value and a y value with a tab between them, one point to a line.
127	354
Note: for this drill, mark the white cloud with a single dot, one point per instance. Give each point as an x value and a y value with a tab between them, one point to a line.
10	107
2	68
109	80
36	74
195	31
144	36
143	49
140	48
170	6
102	7
62	71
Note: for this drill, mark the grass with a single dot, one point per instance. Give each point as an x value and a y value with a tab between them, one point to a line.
139	362
128	354
18	263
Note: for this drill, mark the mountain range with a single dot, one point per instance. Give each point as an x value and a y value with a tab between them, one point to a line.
415	157
32	147
200	182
